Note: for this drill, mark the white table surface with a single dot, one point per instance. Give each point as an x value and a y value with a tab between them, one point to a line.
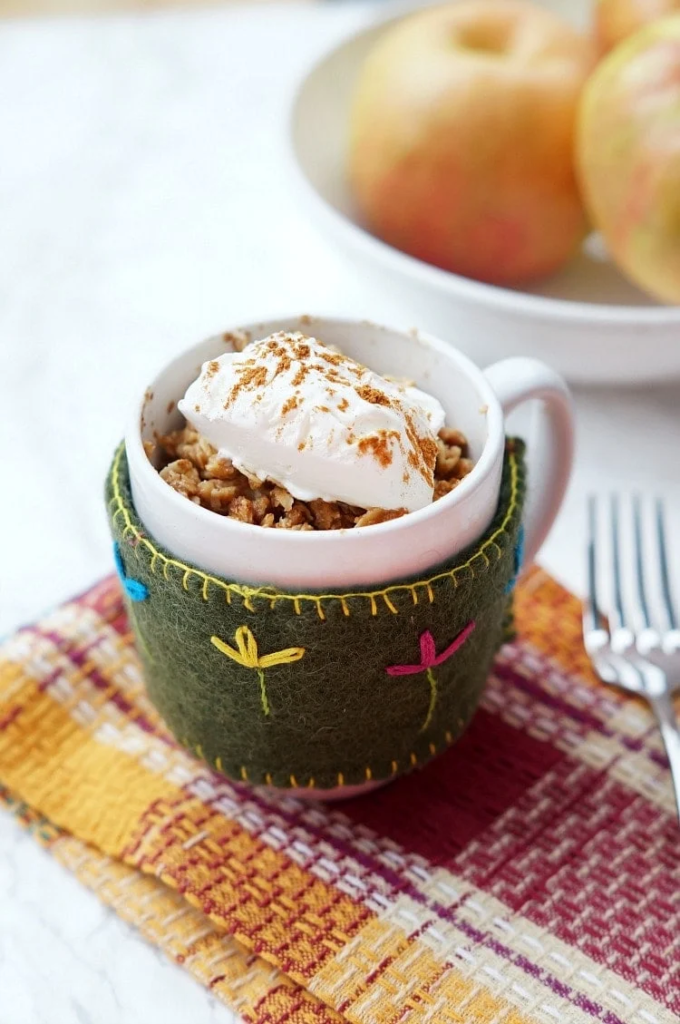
144	203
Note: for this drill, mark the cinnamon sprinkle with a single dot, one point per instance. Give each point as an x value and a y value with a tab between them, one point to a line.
379	446
428	450
423	454
373	395
300	375
290	404
334	358
252	378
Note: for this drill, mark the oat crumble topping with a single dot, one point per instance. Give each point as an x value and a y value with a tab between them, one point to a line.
195	470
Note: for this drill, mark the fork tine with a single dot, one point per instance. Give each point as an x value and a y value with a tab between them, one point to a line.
618	614
669	606
640	562
592	618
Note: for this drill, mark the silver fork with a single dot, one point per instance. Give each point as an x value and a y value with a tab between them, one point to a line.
635	642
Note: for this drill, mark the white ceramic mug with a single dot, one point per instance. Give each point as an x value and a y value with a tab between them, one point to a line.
474	401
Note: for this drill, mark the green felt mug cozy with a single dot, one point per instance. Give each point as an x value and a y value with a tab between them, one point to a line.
318	689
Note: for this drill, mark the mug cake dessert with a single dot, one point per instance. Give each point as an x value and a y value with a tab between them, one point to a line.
289	433
284	642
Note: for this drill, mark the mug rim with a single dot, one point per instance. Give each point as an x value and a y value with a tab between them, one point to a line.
493	445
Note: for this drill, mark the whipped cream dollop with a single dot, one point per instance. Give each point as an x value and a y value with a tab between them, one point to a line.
292	410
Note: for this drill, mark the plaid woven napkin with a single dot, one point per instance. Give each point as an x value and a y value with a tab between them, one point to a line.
530	874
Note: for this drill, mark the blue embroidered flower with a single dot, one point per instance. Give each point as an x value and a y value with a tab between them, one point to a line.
519	559
135	590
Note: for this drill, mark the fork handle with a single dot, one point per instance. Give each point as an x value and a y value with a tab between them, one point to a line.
662	705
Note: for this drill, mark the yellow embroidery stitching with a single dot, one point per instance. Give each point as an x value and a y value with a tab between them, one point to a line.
311	782
248	593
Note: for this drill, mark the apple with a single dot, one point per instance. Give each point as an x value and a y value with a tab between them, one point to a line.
617	19
461	138
628	155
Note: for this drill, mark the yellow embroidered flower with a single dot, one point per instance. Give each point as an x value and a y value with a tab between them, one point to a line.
246	654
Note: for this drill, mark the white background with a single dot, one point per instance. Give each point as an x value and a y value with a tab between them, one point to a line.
145	203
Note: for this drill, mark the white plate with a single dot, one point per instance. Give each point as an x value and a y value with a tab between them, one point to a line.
588	321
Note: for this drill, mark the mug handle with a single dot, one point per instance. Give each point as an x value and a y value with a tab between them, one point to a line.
550	446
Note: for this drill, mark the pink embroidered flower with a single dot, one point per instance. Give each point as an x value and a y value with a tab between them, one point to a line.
429	659
428	653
